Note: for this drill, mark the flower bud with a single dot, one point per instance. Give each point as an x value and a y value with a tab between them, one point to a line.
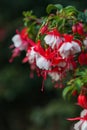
44	29
80	29
82	101
74	29
82	59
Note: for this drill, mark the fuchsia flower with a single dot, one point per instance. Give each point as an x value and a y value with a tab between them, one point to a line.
69	46
31	55
82	101
53	38
42	63
78	28
56	52
82	58
44	29
20	41
82	124
37	54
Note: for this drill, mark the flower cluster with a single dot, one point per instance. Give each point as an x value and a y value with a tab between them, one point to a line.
58	46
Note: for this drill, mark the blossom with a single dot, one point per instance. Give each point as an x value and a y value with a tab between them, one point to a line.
82	124
31	54
19	42
78	28
44	29
69	47
54	75
42	62
82	101
82	59
53	38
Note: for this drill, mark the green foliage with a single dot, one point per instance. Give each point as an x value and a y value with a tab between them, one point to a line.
76	83
51	7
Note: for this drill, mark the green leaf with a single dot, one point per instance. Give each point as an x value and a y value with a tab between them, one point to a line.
58	6
51	7
78	83
67	90
70	10
81	16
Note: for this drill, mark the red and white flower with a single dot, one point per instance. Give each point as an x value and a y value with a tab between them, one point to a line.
69	47
53	38
42	63
31	54
20	40
82	124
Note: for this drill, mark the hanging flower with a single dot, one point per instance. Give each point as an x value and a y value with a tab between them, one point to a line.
82	58
82	101
69	47
53	38
20	41
44	29
82	124
54	46
78	28
42	63
31	55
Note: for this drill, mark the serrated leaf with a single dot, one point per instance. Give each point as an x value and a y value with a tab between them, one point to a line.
51	7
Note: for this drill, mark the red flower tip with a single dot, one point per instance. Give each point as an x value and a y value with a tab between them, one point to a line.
44	29
24	33
74	28
82	58
54	32
82	101
68	38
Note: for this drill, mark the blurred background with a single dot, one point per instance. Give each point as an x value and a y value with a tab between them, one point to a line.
22	104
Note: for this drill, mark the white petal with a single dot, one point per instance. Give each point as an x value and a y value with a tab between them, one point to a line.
55	76
83	113
54	42
76	47
17	40
49	39
32	55
42	63
65	49
85	42
84	126
77	126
